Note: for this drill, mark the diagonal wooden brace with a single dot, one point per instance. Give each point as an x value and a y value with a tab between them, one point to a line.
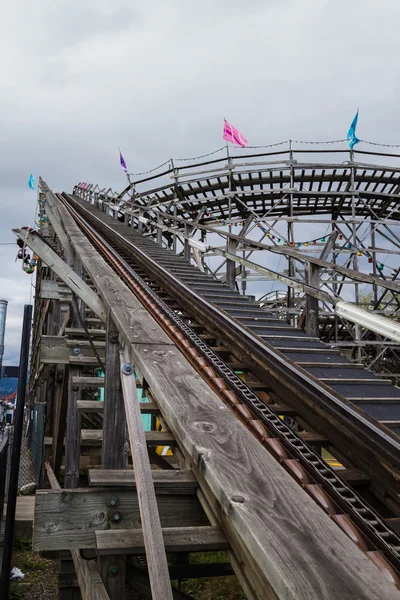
63	271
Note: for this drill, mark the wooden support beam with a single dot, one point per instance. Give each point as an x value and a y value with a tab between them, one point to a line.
231	246
94	437
114	454
63	271
88	406
153	542
66	519
176	539
312	311
174	482
55	291
54	218
60	421
80	381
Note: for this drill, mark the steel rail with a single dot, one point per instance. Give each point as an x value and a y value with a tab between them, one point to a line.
373	527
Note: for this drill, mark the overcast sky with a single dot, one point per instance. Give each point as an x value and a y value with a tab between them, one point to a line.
80	78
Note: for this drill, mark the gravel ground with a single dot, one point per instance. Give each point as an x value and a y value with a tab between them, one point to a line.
41	577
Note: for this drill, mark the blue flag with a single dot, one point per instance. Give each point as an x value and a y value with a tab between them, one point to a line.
32	181
351	134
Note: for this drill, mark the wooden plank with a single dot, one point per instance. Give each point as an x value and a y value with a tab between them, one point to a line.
72	445
55	291
132	320
53	350
176	539
88	406
113	573
94	437
66	519
298	559
163	481
60	421
81	332
80	343
149	513
85	361
53	216
114	455
82	382
63	271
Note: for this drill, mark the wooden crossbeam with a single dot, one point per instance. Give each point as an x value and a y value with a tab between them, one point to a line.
163	481
88	406
66	519
94	437
176	539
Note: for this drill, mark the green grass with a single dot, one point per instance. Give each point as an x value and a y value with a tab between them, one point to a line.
14	592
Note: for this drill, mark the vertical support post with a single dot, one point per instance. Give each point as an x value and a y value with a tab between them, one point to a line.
174	235
113	573
16	452
187	247
73	433
374	269
291	268
312	311
159	230
231	245
357	328
113	454
140	224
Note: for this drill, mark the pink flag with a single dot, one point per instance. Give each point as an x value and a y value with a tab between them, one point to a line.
84	185
233	135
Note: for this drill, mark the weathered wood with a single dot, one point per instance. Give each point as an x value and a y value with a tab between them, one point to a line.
114	454
230	264
52	477
66	519
312	312
309	557
90	582
88	406
60	421
81	332
63	271
53	350
72	445
94	437
132	320
54	218
149	513
113	573
85	361
175	482
176	539
90	382
55	291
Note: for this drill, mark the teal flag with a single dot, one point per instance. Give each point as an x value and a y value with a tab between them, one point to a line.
351	134
32	181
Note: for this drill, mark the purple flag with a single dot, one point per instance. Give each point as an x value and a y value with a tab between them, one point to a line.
123	163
